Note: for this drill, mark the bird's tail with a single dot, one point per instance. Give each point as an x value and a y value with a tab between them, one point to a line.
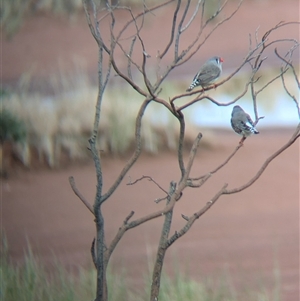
192	86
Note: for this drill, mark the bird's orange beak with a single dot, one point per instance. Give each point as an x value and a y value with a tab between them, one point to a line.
221	60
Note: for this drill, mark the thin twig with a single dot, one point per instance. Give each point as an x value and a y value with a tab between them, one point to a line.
187	5
290	65
194	217
128	217
135	155
129	58
149	179
180	60
192	18
193	152
172	30
294	137
80	196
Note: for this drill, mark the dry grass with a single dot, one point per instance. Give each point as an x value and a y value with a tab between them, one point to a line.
31	281
61	125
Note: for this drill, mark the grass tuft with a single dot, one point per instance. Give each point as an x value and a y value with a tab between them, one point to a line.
32	282
60	125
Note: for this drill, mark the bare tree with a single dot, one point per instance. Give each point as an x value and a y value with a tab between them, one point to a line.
103	23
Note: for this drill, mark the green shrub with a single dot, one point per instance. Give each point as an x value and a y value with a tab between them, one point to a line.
11	128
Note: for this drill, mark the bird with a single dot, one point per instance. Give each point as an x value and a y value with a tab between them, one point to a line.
242	123
208	73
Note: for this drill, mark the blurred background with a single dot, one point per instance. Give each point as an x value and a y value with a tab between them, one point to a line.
49	61
48	95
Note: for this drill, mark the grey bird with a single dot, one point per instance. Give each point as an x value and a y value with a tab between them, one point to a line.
208	73
242	123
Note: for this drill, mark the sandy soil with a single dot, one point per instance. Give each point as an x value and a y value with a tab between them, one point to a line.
249	234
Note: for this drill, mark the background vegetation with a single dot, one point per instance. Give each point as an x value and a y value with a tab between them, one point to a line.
32	281
13	13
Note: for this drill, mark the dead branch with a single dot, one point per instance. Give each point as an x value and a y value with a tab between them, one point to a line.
255	58
176	46
127	226
192	18
219	104
161	251
199	98
192	219
129	216
283	69
218	167
80	196
294	137
172	31
129	58
180	59
200	181
149	179
192	155
135	155
158	200
94	258
180	118
223	190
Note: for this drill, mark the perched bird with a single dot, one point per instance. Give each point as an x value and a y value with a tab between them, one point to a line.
242	123
208	73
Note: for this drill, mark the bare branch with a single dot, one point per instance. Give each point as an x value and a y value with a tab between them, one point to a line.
220	104
94	28
158	200
179	30
271	81
160	254
180	118
135	155
191	181
118	236
128	217
179	61
220	166
192	219
80	196
149	179
145	55
172	30
290	95
184	52
172	197
94	258
142	14
294	137
247	59
89	21
192	155
280	24
289	65
192	18
129	58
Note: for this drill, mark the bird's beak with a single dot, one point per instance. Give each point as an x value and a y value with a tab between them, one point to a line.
221	60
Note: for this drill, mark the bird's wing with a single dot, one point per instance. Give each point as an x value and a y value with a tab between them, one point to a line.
208	74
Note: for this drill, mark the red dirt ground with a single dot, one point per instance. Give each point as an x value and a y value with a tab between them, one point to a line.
249	233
